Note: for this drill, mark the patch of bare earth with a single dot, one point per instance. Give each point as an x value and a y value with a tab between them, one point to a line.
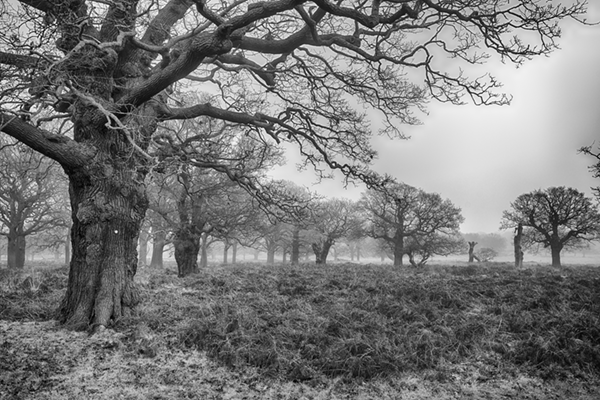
39	360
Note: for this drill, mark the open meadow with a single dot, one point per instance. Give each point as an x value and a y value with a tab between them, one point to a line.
340	331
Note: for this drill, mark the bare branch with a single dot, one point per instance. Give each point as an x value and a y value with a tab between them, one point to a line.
60	148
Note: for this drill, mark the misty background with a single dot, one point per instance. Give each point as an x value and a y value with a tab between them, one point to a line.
482	158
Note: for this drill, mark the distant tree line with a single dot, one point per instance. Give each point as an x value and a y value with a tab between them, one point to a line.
191	208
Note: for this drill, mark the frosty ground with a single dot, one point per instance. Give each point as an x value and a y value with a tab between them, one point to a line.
340	331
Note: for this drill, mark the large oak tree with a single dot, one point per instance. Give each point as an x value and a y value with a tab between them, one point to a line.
332	220
557	217
287	71
193	196
412	221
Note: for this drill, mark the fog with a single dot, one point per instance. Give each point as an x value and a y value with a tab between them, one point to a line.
482	158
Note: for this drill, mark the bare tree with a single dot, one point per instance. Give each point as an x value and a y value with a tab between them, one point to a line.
197	200
274	230
282	71
184	199
403	212
31	201
159	234
268	234
330	221
419	249
293	232
234	218
595	169
557	217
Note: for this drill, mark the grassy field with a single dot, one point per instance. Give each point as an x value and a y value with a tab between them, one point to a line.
484	331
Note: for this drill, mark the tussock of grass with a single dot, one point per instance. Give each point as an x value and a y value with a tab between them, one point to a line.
31	294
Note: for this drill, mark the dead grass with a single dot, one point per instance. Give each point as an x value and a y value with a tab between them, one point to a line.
454	327
32	294
361	322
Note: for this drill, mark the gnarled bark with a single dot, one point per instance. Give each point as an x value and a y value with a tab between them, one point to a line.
187	247
108	204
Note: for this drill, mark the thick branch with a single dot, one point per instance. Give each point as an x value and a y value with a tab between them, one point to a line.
161	25
303	36
291	43
370	21
62	149
208	110
238	59
260	10
194	52
42	5
18	60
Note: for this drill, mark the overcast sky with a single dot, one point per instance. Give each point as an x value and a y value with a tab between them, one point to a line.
482	158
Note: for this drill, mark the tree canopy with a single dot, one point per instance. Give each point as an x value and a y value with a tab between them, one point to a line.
557	217
331	220
289	70
412	221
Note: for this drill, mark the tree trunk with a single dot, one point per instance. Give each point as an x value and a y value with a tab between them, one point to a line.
271	254
398	239
472	256
16	251
225	249
143	245
518	248
187	247
204	250
411	259
234	252
321	251
295	255
398	250
158	248
555	249
358	252
108	204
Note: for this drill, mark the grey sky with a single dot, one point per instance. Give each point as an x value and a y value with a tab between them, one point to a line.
482	158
